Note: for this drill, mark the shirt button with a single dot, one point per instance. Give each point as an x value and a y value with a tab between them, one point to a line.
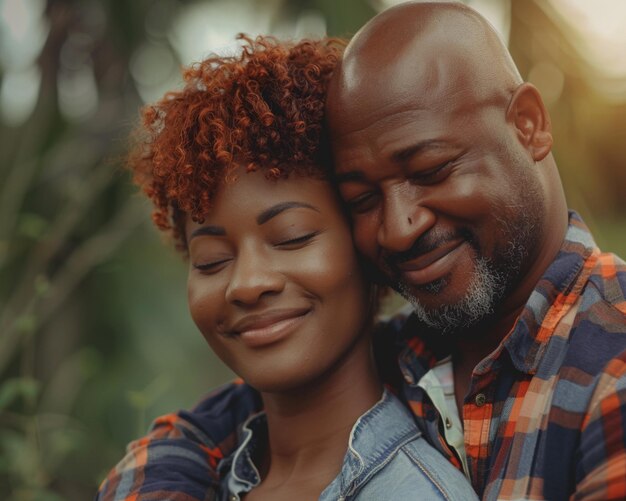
233	497
480	399
448	423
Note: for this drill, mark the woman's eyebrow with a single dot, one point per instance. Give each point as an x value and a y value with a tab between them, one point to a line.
274	210
211	230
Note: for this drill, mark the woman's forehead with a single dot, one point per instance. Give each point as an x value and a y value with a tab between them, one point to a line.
248	194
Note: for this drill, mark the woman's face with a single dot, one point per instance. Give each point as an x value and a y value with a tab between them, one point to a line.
274	283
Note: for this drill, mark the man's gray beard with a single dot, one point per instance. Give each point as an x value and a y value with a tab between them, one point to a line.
485	289
488	284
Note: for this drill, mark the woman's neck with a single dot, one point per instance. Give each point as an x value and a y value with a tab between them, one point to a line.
309	428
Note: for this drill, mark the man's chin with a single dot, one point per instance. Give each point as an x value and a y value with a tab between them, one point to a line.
448	306
431	296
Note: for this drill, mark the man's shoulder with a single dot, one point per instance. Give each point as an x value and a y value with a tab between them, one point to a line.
589	401
600	322
593	358
598	331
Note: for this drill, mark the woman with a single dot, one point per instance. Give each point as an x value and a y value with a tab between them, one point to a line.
234	166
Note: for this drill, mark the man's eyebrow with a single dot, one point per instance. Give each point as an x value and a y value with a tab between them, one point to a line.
409	151
397	156
210	230
274	210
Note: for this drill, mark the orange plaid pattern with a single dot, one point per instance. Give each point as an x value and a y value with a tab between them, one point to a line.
545	416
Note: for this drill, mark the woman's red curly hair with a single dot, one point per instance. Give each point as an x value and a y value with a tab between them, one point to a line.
263	109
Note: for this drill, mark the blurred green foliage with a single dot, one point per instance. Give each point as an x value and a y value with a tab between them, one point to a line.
95	338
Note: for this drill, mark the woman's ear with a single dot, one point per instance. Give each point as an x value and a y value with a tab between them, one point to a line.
529	116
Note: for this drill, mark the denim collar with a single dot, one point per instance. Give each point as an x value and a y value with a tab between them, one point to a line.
374	438
243	474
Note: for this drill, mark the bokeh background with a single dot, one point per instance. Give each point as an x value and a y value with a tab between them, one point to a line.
95	339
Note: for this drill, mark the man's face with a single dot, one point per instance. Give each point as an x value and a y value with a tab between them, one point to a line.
445	200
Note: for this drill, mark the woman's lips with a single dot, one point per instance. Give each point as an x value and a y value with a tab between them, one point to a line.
269	327
433	265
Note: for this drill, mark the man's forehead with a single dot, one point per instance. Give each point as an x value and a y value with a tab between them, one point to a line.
423	56
389	113
429	83
383	128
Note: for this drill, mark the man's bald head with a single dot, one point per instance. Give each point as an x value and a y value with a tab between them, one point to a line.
439	49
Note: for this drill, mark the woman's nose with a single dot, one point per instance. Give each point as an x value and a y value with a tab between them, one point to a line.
254	275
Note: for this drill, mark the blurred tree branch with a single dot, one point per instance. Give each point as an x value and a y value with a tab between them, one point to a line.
60	171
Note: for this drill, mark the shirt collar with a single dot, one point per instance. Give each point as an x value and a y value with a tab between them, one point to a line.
553	297
243	474
376	435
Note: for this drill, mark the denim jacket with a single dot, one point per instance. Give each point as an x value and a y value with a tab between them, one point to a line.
387	459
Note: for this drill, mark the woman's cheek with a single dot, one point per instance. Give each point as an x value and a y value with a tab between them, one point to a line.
327	267
203	298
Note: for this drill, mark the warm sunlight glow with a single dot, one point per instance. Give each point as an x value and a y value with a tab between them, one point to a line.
602	25
602	28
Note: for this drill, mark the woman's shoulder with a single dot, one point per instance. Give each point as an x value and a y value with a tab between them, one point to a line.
389	459
416	471
419	470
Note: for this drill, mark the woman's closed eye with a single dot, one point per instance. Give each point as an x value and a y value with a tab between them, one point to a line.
297	242
211	267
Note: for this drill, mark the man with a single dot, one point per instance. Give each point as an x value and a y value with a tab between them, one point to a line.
442	154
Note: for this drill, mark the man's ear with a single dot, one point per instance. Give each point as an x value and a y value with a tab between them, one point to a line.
528	114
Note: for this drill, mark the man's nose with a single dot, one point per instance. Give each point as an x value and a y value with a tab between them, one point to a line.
405	219
254	275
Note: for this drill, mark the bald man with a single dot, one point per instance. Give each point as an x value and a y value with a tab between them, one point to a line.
513	358
443	155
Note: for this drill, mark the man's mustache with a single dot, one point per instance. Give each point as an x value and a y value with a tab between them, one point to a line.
425	244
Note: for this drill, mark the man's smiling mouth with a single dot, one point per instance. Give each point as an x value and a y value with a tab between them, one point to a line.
432	265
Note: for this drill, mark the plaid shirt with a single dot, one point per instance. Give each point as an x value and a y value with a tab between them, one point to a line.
544	418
